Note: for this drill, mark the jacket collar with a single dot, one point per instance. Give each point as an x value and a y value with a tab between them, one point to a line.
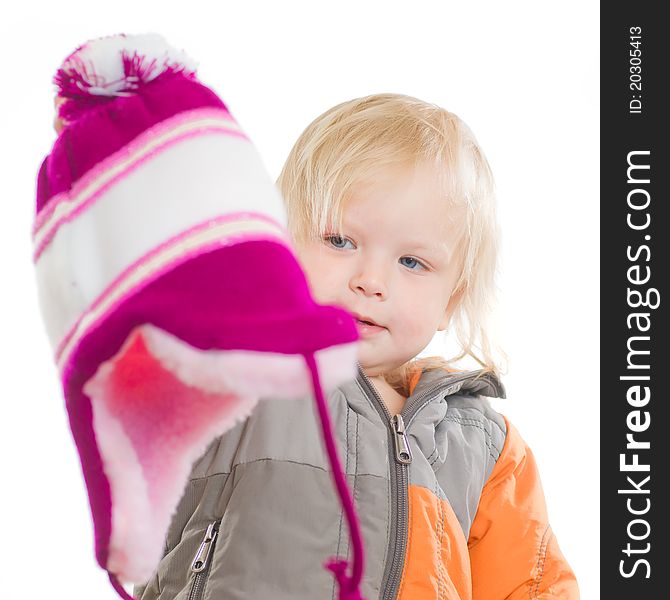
471	382
429	386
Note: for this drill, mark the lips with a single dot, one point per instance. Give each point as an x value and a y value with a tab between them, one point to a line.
366	320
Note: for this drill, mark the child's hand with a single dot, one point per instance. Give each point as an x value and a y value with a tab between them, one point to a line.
59	124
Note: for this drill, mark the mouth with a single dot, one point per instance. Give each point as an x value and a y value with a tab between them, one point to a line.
365	320
366	326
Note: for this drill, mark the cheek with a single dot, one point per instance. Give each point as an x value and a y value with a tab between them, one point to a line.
411	327
321	286
420	315
325	281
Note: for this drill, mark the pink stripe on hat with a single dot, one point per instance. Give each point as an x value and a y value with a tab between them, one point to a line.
163	259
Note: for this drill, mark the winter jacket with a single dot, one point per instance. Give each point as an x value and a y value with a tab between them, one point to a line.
448	496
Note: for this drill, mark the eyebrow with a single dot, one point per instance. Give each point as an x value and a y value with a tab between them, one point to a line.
422	246
437	249
441	249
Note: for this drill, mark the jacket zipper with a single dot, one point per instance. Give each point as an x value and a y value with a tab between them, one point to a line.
402	456
201	561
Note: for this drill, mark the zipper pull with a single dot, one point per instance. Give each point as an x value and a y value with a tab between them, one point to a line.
403	453
200	561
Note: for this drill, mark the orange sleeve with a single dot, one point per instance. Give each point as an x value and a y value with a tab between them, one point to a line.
513	553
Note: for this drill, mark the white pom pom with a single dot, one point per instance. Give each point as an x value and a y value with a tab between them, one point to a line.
117	65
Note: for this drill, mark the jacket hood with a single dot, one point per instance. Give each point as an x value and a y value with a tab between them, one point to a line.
478	381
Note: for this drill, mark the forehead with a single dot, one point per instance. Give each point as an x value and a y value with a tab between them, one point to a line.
410	203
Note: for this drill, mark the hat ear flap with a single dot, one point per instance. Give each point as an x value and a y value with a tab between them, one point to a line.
150	427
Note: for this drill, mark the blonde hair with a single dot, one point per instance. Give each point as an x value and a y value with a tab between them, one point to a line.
352	140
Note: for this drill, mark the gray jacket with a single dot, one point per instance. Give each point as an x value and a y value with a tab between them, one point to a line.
260	515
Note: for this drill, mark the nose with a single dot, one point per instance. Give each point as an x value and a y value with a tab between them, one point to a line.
370	280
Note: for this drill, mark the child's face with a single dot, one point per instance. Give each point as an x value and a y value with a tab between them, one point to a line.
395	262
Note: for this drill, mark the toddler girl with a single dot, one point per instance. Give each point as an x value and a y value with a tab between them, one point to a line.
390	207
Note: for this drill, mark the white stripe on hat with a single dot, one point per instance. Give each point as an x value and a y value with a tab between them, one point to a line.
197	193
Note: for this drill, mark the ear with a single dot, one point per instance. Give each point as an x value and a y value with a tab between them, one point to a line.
454	302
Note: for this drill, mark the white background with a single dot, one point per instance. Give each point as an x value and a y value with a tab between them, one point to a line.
523	75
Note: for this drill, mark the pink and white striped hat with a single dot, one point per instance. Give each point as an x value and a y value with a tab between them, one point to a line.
170	291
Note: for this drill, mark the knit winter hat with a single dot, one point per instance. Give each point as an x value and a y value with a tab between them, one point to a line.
171	294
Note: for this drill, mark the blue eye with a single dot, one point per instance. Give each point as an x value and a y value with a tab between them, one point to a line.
335	240
339	242
415	260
